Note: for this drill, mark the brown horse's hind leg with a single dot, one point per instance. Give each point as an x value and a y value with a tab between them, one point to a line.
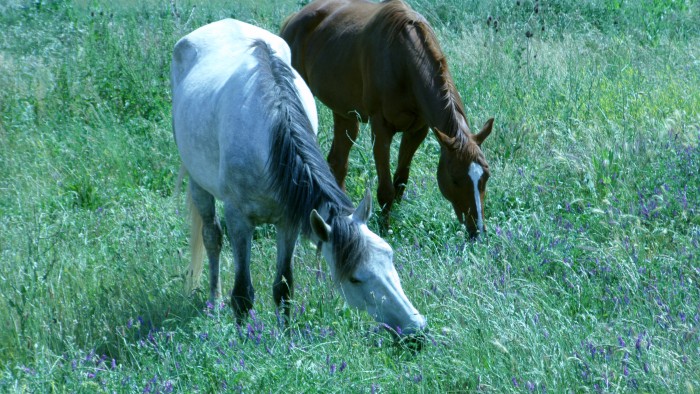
345	132
383	135
409	144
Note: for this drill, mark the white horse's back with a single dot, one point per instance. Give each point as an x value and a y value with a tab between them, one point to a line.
216	103
218	39
221	42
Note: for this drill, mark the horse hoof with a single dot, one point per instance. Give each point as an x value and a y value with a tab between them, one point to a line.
241	305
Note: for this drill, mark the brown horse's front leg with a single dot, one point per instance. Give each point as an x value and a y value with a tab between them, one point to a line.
383	135
409	144
344	135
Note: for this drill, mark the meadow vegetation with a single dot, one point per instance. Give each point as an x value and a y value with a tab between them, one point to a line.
588	280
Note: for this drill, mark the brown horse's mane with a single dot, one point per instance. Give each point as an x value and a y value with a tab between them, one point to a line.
393	17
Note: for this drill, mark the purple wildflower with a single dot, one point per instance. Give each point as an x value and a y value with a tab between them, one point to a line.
28	370
343	365
638	343
515	381
621	341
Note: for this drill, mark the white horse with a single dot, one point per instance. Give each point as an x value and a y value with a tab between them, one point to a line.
245	125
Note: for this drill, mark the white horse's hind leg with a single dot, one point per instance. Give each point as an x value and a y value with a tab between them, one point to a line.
240	233
211	235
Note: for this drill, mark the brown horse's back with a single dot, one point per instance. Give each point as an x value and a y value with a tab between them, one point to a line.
333	43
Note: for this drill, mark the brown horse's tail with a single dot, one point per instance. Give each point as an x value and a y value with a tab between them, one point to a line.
194	272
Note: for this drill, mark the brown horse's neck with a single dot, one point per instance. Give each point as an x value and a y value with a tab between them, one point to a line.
433	87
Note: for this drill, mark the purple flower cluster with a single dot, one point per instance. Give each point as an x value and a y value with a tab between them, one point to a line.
597	364
157	385
332	368
89	367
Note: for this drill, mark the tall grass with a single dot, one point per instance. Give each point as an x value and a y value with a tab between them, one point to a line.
588	280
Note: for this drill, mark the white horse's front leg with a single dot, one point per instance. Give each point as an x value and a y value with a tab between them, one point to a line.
283	286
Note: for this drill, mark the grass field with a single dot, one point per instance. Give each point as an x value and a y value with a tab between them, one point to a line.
587	282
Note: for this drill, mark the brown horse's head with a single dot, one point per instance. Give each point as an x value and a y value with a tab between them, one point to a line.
462	176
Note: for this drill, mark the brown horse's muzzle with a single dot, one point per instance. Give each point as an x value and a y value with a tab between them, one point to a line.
470	219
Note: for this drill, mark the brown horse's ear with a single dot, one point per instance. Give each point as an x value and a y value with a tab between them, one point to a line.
485	131
444	139
364	209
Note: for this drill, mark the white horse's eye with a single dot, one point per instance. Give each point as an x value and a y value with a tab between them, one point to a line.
354	280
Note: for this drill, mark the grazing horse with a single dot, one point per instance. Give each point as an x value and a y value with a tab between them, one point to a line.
245	126
381	62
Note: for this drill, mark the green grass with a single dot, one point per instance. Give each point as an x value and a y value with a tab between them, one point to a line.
587	282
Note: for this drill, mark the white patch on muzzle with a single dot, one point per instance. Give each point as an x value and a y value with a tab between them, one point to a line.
475	173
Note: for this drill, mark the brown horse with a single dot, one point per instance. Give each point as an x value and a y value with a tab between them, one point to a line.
381	62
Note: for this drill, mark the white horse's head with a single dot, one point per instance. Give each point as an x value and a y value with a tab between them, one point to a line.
366	275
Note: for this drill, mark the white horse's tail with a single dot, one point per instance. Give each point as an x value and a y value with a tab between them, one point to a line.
194	272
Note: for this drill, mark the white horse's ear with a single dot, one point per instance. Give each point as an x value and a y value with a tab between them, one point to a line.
364	210
319	226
